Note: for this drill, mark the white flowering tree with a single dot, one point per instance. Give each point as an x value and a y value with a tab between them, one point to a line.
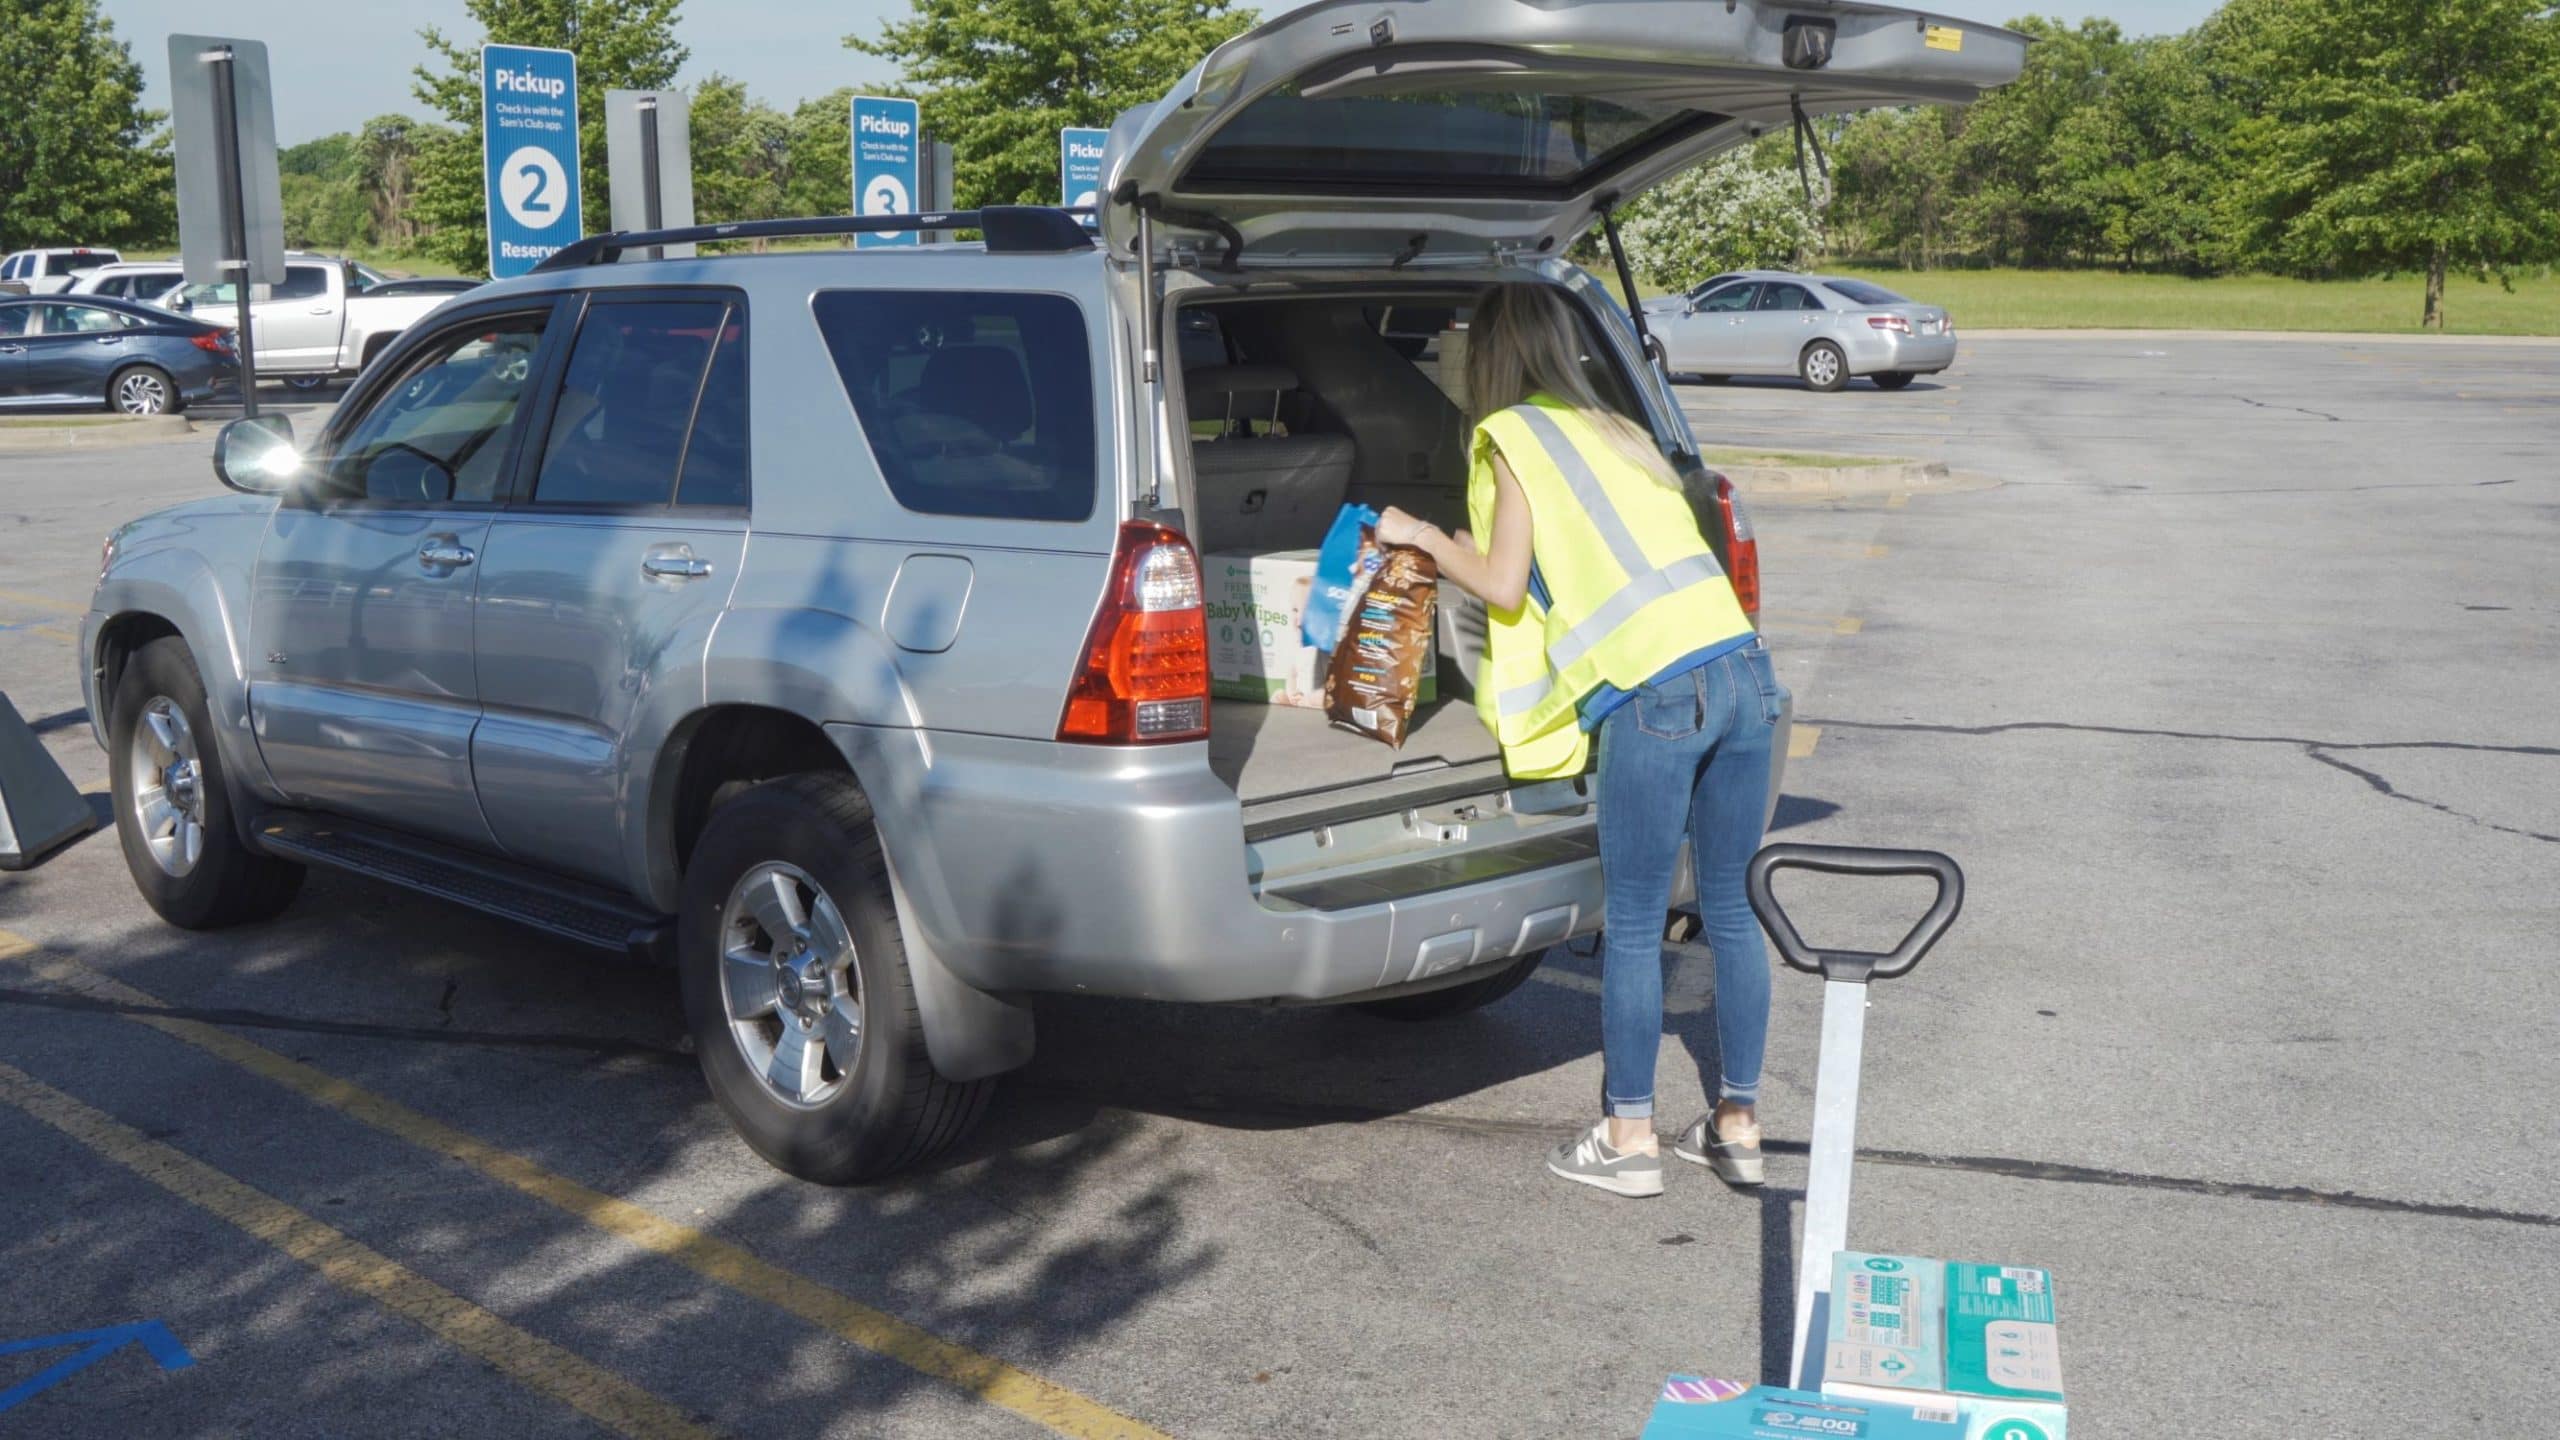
1744	209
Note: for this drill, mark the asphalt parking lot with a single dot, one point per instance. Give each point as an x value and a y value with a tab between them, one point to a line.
2234	696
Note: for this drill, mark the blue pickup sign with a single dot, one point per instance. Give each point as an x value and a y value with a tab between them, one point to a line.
1080	166
884	164
528	154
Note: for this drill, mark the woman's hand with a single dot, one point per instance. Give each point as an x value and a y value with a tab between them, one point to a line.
1395	527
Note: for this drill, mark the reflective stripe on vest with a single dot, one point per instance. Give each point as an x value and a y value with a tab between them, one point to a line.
1617	611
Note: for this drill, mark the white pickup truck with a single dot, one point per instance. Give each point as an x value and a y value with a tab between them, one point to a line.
321	320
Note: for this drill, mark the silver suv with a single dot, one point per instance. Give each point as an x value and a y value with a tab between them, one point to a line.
831	623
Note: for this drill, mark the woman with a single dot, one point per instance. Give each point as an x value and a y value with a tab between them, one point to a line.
1608	617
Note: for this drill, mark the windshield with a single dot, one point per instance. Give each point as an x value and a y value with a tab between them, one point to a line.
1863	293
1489	142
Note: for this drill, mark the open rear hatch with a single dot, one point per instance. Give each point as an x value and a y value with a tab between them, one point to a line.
1417	132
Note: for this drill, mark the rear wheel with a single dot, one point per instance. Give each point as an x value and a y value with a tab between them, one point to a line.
1891	379
173	810
796	988
1457	999
1823	366
305	383
143	390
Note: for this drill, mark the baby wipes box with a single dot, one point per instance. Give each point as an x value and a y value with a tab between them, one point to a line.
1692	1408
1979	1340
1253	605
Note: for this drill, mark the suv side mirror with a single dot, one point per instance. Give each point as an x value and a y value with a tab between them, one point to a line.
256	455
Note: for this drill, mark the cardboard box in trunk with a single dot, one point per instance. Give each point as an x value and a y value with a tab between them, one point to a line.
1254	604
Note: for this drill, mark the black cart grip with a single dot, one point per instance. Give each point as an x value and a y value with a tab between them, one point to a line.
1855	966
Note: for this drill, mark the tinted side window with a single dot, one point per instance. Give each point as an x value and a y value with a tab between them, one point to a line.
14	318
617	432
715	457
302	282
975	404
439	431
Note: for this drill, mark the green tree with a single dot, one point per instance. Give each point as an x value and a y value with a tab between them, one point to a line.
1744	209
2401	135
620	45
999	78
741	153
81	161
819	167
1895	181
387	155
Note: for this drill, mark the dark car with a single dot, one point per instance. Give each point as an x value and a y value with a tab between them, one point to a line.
93	350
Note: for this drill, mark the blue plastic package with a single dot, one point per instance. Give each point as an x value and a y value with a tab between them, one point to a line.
1344	567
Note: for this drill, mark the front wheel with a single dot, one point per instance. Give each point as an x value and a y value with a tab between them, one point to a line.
1823	366
1891	379
143	390
796	989
305	383
1456	999
173	810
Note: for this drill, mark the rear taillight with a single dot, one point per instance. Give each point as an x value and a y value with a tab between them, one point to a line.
1741	547
1145	672
214	341
1890	322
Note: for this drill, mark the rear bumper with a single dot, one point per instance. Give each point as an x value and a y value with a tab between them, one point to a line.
1880	350
1033	866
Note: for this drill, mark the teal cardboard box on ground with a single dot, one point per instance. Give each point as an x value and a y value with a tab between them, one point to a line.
1691	1408
1979	1340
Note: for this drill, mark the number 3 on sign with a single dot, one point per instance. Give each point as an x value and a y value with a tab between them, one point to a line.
530	184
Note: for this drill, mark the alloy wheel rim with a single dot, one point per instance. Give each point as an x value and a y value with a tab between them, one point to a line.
1820	367
789	984
141	393
167	778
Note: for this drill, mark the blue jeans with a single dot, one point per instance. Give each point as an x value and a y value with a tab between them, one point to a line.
1687	757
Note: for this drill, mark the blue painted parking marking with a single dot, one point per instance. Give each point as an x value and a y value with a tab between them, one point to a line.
95	1345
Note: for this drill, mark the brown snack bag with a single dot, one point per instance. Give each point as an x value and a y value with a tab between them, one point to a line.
1375	674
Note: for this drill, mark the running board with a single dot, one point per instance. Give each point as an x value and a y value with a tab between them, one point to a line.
553	904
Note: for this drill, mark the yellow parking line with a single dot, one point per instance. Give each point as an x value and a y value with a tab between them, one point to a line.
1802	621
527	1359
44	602
1043	1401
1801	740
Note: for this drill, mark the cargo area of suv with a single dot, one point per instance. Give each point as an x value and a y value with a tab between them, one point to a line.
1298	405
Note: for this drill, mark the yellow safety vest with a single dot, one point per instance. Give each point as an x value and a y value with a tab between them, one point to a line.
1631	584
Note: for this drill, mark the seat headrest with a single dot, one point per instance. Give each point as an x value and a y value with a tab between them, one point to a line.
1215	392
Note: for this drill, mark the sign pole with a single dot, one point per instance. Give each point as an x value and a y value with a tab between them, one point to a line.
652	205
235	228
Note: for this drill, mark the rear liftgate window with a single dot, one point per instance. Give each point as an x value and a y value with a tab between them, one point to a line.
1476	142
975	404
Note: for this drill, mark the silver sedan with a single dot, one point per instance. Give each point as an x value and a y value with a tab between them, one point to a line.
1822	328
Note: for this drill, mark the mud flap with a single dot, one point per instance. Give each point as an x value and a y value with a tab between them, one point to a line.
968	1033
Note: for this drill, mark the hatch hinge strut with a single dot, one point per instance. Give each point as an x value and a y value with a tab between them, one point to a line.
1805	138
1626	273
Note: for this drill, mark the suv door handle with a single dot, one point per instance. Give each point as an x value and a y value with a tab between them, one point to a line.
324	310
446	553
674	562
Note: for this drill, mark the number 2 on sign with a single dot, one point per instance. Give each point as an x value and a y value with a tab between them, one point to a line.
541	179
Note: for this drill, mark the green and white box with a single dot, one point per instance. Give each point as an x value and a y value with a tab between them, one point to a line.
1253	604
1979	1339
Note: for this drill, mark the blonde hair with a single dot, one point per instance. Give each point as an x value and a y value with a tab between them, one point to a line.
1524	340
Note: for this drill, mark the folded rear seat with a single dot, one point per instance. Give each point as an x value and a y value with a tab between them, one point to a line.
1261	492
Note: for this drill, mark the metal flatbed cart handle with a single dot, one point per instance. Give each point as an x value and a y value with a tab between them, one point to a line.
1845	974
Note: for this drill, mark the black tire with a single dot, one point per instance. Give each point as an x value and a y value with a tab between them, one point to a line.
124	387
891	1109
1456	999
305	383
229	883
1823	359
1891	379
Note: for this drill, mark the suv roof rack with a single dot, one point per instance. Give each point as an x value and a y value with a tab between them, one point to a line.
1010	230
